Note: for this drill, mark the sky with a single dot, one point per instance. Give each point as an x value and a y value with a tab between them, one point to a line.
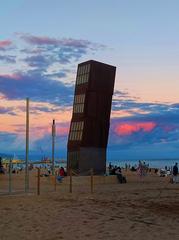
41	44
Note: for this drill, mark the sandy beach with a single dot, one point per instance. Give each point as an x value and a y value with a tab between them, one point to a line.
146	209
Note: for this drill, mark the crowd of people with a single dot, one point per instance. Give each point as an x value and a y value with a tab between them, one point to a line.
142	169
45	170
60	172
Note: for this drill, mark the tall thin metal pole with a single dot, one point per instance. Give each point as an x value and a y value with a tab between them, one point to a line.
53	145
38	181
70	180
91	180
10	175
27	148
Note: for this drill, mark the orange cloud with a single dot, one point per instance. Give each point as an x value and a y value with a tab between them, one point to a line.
129	128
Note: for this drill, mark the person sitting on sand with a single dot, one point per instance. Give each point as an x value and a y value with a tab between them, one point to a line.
61	172
121	179
113	170
133	169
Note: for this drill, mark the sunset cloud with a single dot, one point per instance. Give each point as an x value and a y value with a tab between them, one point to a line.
36	82
47	50
38	61
8	59
7	110
145	130
4	44
37	87
43	78
62	130
129	128
67	42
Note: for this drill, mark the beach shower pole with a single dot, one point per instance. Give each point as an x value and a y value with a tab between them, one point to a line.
38	181
55	181
91	171
53	145
27	148
70	180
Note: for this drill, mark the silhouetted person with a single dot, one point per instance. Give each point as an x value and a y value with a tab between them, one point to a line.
114	170
121	179
133	169
1	166
175	172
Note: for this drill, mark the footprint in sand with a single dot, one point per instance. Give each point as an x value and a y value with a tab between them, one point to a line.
85	222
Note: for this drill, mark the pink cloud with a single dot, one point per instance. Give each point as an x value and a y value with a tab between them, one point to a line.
168	128
42	40
62	131
129	128
14	76
4	44
43	130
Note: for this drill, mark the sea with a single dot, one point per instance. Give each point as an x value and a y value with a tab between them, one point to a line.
152	163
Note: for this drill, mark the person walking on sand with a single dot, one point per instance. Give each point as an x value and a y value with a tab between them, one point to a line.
175	173
140	170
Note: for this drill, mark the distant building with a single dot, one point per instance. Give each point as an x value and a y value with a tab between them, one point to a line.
88	136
